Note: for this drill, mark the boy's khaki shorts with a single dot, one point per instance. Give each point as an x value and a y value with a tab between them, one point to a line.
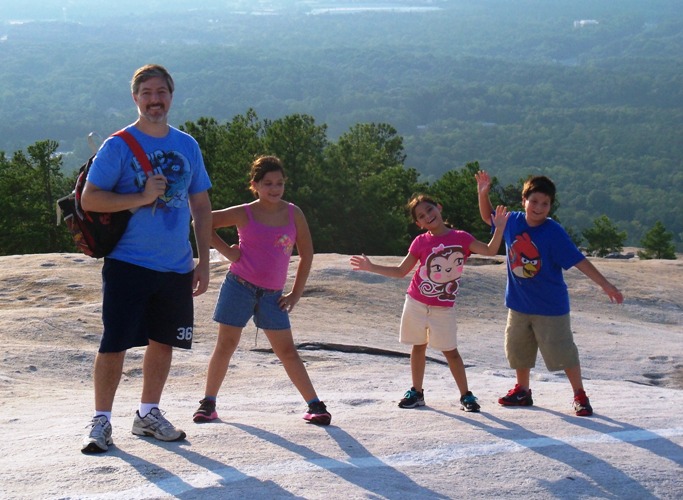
526	334
433	325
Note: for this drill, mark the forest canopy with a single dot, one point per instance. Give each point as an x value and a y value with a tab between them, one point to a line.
518	87
353	191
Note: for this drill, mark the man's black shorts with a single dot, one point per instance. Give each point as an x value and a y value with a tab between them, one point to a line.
140	304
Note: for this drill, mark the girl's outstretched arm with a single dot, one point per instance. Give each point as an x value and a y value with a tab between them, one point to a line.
500	220
483	188
363	263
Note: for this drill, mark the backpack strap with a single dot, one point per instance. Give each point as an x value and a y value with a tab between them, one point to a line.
137	150
139	153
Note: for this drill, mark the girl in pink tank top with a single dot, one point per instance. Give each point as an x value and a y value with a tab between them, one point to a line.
269	228
265	250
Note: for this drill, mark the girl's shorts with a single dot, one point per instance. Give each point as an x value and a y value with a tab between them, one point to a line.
526	334
433	325
239	301
139	304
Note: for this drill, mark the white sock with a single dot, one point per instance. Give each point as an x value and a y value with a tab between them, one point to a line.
145	408
105	413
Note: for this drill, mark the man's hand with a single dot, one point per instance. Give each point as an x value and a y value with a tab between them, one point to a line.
155	186
200	278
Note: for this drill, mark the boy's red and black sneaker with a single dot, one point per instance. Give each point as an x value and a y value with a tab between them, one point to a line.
582	405
517	397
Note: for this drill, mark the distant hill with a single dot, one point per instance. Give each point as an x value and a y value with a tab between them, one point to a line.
588	93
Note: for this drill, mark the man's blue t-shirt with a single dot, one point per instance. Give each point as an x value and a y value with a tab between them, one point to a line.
536	257
156	238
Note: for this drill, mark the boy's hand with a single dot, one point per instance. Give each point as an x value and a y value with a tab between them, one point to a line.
613	293
483	182
360	263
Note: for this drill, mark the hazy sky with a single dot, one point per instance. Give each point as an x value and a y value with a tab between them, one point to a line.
79	9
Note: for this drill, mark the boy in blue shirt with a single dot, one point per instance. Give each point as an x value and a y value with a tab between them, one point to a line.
538	250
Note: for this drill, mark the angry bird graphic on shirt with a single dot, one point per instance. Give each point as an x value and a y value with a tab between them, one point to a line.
524	257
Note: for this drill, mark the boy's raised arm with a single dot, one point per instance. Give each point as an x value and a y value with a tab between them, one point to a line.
483	187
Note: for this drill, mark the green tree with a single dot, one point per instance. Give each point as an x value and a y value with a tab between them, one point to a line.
228	150
353	192
365	188
456	190
604	237
300	143
30	185
574	235
510	195
657	244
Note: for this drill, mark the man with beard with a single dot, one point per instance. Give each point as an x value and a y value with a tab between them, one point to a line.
150	277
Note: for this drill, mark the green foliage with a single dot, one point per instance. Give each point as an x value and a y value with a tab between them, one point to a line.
30	186
365	189
513	85
575	236
456	190
228	150
657	244
300	143
353	192
604	237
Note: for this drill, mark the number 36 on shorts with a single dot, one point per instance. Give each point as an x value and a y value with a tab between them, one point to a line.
184	333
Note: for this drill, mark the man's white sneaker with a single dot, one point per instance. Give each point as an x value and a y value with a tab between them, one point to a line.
98	440
155	424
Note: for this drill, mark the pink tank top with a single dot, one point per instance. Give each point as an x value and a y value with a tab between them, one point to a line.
265	252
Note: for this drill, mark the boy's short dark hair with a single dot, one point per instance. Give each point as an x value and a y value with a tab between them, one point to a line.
539	184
